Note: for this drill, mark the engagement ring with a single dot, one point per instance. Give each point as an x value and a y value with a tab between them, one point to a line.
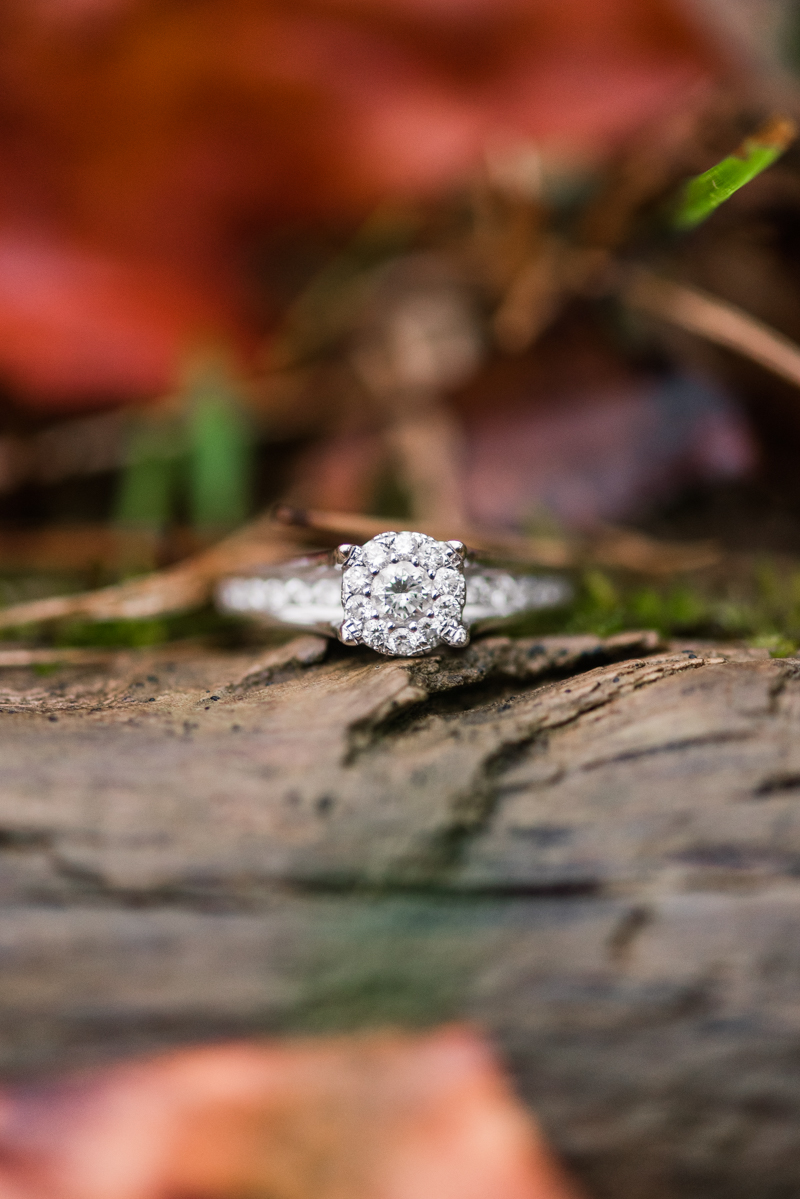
402	594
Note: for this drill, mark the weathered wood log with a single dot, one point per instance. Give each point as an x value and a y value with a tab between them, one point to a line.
590	847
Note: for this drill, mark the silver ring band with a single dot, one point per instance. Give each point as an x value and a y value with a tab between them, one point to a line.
401	593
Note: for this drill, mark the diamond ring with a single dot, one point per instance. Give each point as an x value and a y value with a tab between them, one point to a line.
402	594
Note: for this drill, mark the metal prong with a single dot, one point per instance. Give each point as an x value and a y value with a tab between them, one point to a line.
459	548
342	553
347	640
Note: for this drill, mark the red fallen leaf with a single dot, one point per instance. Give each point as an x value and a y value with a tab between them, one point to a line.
146	118
80	324
176	134
385	1116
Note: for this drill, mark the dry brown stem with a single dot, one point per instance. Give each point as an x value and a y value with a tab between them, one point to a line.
534	297
425	446
716	320
610	547
186	585
540	551
84	547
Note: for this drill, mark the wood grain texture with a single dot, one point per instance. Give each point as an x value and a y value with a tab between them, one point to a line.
590	847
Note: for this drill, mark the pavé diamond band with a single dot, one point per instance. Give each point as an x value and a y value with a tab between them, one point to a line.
402	594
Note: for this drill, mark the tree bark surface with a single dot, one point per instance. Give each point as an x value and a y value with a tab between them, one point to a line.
590	847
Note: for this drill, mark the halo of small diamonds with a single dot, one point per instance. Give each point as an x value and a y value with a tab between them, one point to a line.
403	594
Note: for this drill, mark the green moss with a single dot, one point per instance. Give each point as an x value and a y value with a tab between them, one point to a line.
763	608
43	669
133	634
388	961
778	645
140	634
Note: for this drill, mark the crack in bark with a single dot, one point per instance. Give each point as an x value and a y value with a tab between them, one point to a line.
632	755
491	670
777	784
473	812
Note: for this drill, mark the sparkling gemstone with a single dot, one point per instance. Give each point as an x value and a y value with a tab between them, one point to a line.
480	591
431	554
399	642
428	634
356	611
447	607
375	634
358	605
351	630
325	593
402	591
407	641
355	580
375	555
298	591
454	634
405	545
450	582
505	593
447	621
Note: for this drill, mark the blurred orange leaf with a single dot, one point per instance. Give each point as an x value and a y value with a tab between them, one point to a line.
384	1116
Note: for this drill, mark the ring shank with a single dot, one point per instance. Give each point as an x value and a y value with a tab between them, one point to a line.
306	594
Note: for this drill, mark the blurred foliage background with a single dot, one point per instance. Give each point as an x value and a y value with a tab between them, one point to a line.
442	263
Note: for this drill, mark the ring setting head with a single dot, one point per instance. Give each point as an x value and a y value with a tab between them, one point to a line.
403	594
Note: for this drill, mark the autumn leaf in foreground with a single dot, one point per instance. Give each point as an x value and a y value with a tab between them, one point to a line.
385	1116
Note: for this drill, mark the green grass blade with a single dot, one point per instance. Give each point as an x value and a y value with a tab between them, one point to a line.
704	193
148	480
220	455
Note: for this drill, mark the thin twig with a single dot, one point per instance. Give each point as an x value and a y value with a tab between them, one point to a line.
76	547
540	551
608	547
716	320
84	547
187	585
425	445
533	298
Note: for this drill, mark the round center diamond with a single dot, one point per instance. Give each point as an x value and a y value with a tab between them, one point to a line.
402	591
